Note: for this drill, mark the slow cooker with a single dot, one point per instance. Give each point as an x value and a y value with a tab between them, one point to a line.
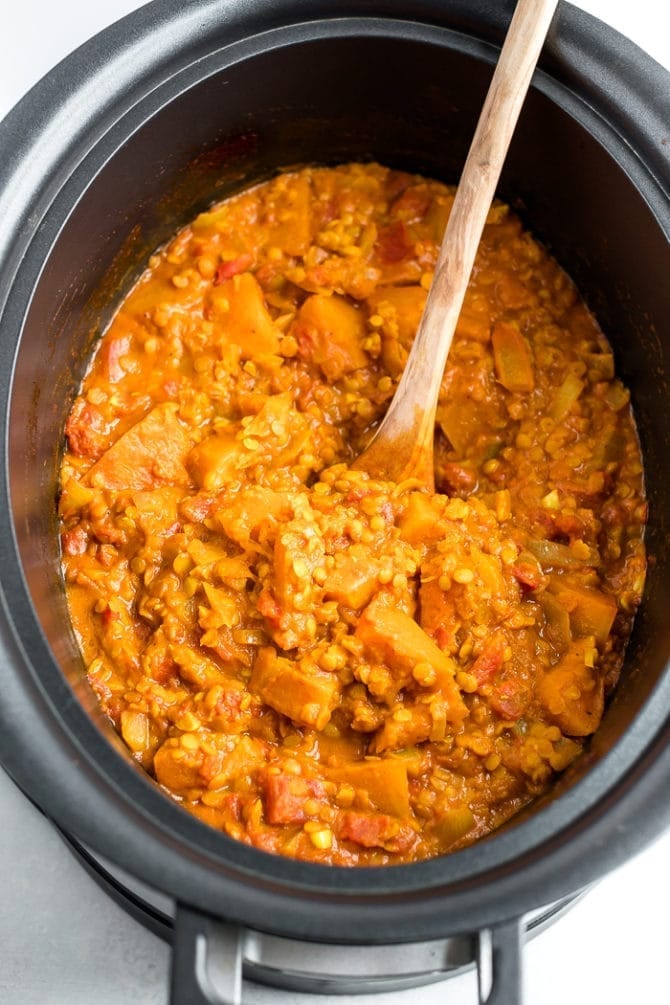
174	107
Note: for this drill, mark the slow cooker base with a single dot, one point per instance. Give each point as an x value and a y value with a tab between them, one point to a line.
316	968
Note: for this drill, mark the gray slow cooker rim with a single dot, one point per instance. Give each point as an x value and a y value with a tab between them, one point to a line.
310	901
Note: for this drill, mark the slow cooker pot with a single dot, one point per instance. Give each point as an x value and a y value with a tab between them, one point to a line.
174	107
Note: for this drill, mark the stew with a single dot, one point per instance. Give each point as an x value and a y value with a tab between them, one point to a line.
317	663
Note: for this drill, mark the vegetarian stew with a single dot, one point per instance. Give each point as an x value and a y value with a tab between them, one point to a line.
318	663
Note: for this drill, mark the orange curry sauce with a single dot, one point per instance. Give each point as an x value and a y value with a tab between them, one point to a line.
319	664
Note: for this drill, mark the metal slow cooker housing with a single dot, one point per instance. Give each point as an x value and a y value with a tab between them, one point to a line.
178	105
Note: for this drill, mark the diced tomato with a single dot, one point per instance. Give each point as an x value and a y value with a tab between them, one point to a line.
393	242
269	607
396	183
196	508
74	541
458	479
107	533
230	703
356	494
107	556
86	430
527	574
233	803
286	795
445	638
375	830
113	352
164	671
227	270
412	205
108	616
488	662
507	701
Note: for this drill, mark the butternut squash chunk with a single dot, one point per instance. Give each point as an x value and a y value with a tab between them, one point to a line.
353	578
238	307
573	692
384	780
150	453
419	523
242	514
406	725
177	768
330	332
307	698
214	461
394	638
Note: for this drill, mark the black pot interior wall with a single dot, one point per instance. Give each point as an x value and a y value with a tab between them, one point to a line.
412	105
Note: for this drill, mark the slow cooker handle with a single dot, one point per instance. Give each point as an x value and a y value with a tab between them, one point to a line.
499	964
208	958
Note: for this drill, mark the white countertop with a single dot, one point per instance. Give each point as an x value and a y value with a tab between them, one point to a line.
62	942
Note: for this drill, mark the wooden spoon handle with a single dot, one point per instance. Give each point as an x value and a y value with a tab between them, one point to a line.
403	444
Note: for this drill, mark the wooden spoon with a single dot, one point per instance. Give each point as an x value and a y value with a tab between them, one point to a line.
402	446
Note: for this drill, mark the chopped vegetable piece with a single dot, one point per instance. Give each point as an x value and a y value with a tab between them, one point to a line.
565	397
330	332
135	730
178	767
151	453
511	357
558	627
306	697
74	498
353	578
419	522
591	611
393	637
214	461
287	798
438	613
384	780
573	692
462	422
454	824
553	555
399	309
406	725
375	830
289	215
238	308
617	396
243	514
